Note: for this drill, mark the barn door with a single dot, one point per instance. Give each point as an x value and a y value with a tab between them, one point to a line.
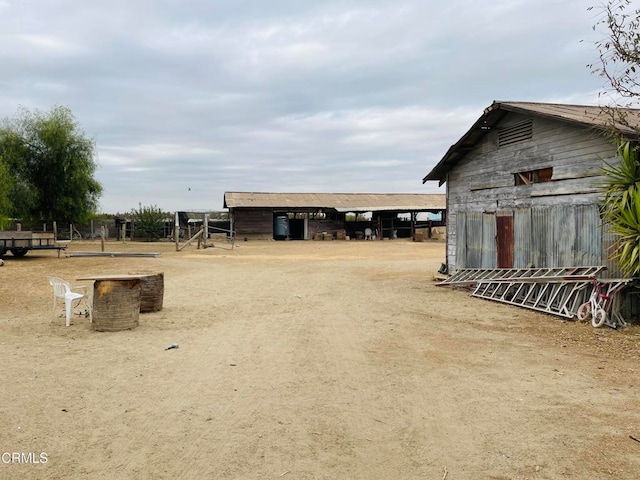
504	240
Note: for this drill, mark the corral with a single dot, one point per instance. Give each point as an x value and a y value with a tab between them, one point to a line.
308	360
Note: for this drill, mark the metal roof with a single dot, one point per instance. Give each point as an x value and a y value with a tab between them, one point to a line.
342	202
625	120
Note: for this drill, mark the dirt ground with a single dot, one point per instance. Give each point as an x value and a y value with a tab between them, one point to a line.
308	360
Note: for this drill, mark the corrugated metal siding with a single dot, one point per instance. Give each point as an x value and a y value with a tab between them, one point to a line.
489	247
566	235
522	237
558	236
541	238
461	241
589	244
564	238
474	238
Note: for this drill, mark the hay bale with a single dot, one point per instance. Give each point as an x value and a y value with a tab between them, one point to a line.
116	305
151	291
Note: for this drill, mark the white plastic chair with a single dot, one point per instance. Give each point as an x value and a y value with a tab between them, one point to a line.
367	233
62	290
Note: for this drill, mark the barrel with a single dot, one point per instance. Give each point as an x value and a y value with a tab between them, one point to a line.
281	227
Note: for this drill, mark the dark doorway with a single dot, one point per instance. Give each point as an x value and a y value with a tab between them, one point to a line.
296	228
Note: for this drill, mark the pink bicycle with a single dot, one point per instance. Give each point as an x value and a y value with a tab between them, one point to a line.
595	307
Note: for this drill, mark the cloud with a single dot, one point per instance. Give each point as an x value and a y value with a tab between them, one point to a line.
354	96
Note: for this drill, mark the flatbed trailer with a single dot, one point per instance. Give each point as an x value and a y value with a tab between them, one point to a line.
19	242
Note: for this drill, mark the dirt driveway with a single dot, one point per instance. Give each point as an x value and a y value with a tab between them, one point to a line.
308	360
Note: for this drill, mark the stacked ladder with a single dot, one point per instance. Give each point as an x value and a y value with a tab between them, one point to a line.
557	291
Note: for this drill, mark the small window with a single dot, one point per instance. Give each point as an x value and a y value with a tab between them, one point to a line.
534	176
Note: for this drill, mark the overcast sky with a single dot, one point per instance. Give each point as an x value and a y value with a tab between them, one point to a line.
188	99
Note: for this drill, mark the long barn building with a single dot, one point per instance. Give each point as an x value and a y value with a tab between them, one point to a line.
308	216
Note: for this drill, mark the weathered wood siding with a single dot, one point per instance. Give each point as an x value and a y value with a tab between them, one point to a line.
255	223
556	223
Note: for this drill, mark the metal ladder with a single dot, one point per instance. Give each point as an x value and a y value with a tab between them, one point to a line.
557	291
556	297
465	276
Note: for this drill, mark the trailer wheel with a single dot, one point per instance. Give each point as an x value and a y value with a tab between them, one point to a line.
19	252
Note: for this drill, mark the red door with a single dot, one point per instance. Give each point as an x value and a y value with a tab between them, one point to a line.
504	226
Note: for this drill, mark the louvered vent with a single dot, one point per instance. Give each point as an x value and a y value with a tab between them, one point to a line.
515	133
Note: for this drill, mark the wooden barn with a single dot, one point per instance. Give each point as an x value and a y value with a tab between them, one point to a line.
315	216
522	187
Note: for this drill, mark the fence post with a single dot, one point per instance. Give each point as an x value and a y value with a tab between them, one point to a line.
176	231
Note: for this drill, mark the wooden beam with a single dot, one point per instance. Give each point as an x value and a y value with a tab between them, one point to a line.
197	235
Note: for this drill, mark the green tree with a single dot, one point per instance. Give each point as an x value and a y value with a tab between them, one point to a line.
148	222
6	184
52	164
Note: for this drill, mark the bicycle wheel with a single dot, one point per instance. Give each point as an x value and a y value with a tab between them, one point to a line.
599	317
584	311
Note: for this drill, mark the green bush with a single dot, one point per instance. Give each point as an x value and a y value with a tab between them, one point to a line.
148	223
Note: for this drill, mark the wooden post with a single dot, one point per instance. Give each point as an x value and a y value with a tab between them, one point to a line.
176	231
19	227
55	230
124	230
413	226
205	236
197	235
70	231
102	238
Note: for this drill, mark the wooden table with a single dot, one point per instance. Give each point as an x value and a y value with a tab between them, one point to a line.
116	301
